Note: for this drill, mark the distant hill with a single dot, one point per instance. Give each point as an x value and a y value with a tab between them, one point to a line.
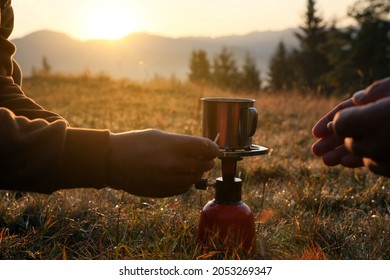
141	56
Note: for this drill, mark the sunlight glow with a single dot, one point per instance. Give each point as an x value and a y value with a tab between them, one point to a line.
109	21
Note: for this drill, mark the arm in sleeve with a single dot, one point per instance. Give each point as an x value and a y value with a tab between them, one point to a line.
39	152
13	98
11	95
39	156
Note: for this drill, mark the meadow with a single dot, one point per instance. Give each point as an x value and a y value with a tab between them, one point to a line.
303	209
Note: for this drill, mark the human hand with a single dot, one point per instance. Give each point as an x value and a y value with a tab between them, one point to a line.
331	146
366	130
153	163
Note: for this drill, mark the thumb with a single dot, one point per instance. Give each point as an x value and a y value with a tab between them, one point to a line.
349	122
360	97
378	90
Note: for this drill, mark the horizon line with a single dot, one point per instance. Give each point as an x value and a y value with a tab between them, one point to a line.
148	33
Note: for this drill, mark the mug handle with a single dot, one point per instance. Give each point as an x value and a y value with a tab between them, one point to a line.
252	120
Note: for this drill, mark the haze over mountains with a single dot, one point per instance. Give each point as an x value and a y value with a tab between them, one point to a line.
141	56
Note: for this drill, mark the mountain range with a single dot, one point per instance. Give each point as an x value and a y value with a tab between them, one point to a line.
141	56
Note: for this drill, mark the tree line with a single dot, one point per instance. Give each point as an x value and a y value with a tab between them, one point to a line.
224	72
328	59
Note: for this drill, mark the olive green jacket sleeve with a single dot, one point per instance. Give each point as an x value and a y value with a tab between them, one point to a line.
39	152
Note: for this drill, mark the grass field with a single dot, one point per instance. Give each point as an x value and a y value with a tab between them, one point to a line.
303	210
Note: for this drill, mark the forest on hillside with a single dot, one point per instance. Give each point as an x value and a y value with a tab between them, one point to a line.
328	60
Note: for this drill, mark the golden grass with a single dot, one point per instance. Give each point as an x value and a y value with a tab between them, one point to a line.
303	209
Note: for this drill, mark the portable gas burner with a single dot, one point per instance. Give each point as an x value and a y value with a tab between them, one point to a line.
231	123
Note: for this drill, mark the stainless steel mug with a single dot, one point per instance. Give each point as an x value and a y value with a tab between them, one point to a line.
231	121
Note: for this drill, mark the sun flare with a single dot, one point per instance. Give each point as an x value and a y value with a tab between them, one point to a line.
109	21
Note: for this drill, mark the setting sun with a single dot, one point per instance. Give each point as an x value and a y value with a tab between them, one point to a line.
109	21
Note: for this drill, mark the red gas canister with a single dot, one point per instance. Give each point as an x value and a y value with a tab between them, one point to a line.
227	220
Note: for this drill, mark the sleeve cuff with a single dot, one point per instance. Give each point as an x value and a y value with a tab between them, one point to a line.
84	160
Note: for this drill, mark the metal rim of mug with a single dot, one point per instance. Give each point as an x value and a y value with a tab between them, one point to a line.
227	99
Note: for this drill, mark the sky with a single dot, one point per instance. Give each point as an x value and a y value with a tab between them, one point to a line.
112	19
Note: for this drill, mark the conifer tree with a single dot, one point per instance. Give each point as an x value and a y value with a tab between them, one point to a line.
199	67
312	63
250	75
370	51
225	72
281	72
46	67
337	48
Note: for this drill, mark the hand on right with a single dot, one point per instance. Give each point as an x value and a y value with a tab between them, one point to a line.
330	146
366	133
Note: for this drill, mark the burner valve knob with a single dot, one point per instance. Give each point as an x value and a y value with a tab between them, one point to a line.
203	183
